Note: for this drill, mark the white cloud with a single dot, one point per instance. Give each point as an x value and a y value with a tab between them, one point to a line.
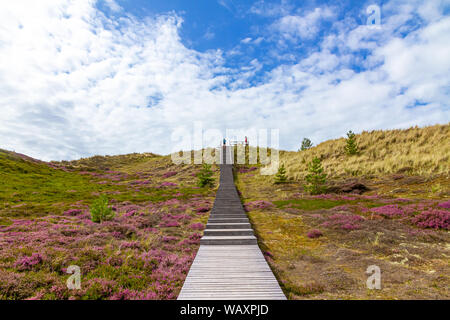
72	87
249	40
113	5
258	40
209	35
227	4
270	9
295	27
75	83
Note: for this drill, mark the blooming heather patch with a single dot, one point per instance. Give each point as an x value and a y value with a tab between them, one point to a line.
28	262
127	257
258	205
168	224
195	237
167	184
344	221
315	233
202	209
197	226
130	245
139	182
445	205
324	196
169	174
172	201
114	261
344	207
130	213
58	241
72	212
169	239
245	169
127	294
389	211
179	217
395	200
433	218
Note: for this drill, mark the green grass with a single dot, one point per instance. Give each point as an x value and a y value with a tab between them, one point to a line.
40	190
109	162
31	190
316	204
309	204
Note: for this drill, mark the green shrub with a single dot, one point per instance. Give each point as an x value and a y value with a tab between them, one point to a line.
100	210
306	144
205	176
351	147
316	178
281	177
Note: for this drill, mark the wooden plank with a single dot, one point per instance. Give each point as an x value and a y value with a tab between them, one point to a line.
218	272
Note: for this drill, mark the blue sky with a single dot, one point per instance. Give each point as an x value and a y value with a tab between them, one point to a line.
227	24
93	77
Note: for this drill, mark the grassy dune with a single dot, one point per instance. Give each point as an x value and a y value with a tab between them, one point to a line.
414	151
319	247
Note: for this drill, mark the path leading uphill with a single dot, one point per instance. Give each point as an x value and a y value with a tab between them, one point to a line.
229	263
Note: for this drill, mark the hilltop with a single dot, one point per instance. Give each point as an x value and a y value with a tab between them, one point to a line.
117	162
413	151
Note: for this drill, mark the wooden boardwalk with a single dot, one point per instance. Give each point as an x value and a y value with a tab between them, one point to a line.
229	263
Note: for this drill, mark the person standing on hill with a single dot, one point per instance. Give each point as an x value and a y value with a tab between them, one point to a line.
224	141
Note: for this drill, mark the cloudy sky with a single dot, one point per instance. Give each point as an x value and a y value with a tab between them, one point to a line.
86	77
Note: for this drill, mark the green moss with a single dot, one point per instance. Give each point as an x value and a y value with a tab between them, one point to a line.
309	204
36	189
309	288
33	189
5	221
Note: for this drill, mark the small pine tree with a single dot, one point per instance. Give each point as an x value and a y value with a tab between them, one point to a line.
205	176
100	211
316	178
281	177
306	144
351	147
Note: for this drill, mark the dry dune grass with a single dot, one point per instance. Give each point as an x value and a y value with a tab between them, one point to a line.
415	151
109	162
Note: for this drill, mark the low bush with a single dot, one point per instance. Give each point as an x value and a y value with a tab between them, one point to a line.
435	219
100	211
205	176
316	178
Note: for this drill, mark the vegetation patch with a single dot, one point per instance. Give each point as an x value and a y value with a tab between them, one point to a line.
309	204
131	238
320	246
